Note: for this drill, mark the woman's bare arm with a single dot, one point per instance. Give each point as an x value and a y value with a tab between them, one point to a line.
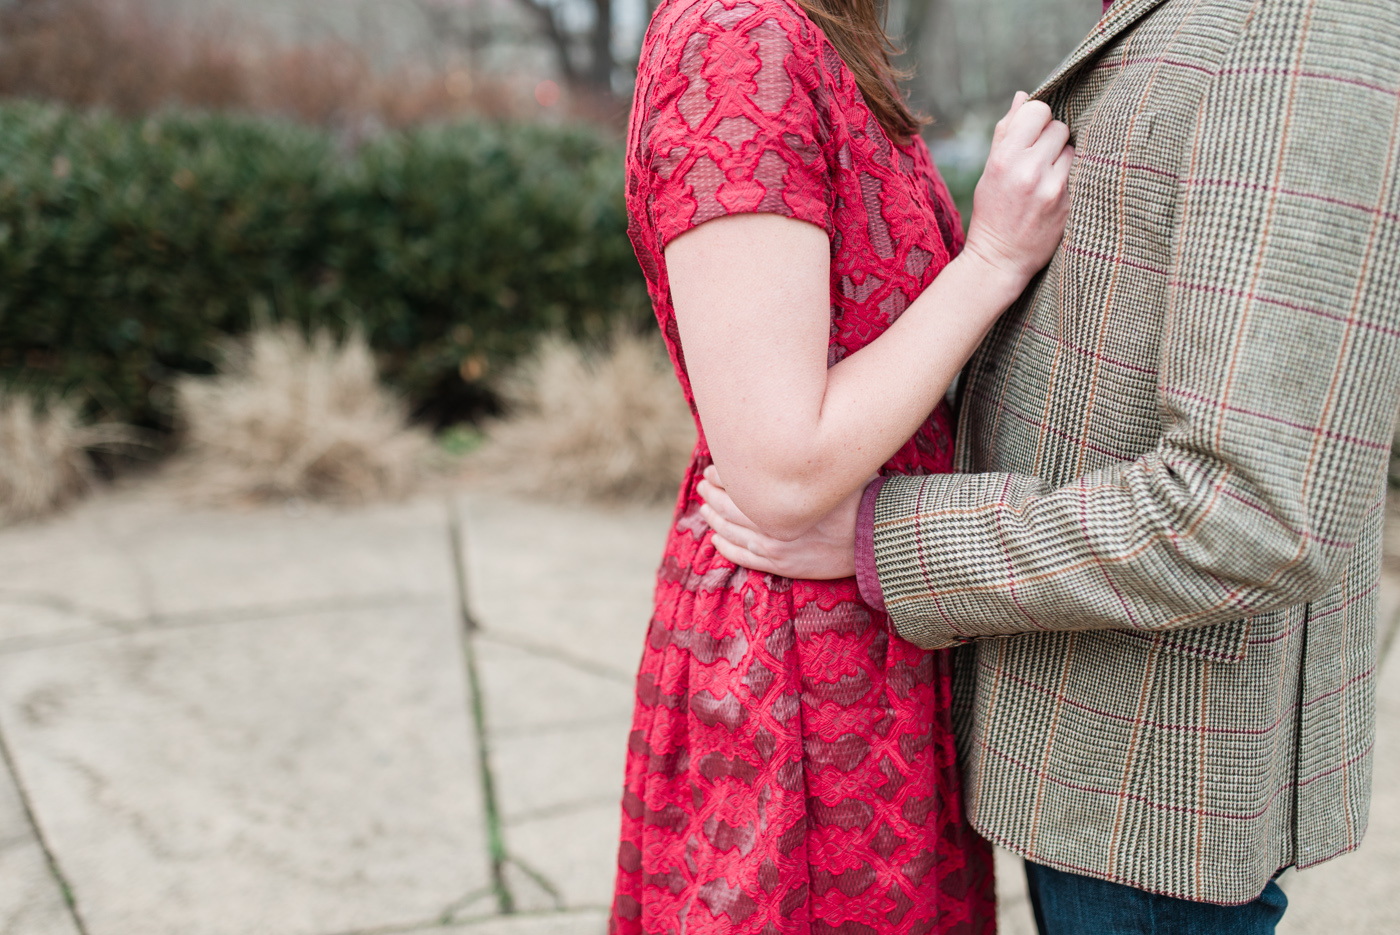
791	436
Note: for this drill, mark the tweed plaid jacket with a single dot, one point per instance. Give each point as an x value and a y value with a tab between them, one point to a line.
1175	446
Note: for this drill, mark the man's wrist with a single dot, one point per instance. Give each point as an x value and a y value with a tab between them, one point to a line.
867	574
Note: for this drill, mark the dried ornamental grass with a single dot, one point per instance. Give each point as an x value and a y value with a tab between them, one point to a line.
288	417
44	461
608	425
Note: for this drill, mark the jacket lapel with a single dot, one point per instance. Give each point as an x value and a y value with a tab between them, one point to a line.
1120	16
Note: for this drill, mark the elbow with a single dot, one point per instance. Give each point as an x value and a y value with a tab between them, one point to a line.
1312	574
1262	541
1282	571
779	508
783	521
788	527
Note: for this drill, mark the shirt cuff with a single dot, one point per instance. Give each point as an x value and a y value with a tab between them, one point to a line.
867	575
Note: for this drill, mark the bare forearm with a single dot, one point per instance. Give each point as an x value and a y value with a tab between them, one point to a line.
871	404
793	437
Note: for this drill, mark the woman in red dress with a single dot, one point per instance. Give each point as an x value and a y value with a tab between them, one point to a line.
791	767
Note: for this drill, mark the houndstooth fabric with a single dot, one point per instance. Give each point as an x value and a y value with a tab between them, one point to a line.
1176	443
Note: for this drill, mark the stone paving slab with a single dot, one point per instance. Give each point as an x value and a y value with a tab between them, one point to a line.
128	561
569	580
207	562
31	902
64	576
551	773
243	721
528	691
588	922
323	762
558	738
576	851
1014	916
563	596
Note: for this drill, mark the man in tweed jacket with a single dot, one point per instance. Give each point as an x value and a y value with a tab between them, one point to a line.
1175	448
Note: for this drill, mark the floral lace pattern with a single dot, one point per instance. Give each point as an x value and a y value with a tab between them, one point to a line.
791	767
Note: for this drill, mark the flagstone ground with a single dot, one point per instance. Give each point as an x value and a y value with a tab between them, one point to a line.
401	719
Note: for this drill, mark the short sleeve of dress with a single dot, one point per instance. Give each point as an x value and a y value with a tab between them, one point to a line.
733	124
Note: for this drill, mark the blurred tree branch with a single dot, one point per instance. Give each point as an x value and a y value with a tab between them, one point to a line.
583	55
444	25
594	74
547	17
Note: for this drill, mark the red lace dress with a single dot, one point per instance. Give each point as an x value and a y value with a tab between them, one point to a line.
791	766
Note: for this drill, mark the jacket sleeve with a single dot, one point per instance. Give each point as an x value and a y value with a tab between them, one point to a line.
1278	381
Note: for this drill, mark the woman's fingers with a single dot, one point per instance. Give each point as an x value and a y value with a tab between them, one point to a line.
718	500
741	545
1053	138
1054	170
1057	176
742	556
1027	124
1000	130
1064	161
827	550
751	539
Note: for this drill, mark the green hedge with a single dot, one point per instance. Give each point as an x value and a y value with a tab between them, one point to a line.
128	248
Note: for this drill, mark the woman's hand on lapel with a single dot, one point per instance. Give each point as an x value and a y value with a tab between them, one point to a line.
1022	200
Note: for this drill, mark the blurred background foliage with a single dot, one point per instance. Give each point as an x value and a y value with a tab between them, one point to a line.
445	175
128	248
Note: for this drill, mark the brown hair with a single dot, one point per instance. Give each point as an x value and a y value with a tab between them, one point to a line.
856	30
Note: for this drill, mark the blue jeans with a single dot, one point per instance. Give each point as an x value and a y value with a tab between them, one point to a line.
1069	904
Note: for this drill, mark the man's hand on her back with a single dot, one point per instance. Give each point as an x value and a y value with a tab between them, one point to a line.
827	550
